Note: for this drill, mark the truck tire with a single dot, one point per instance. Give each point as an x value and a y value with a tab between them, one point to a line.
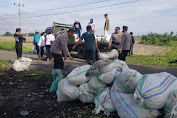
80	52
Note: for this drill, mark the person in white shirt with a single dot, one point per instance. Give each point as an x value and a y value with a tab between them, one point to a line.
41	45
49	41
92	24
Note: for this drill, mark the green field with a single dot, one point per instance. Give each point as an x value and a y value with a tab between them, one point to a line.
3	64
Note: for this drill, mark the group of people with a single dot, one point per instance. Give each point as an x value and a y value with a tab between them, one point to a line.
57	47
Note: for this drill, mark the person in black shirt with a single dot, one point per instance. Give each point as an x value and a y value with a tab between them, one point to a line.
131	47
19	42
77	28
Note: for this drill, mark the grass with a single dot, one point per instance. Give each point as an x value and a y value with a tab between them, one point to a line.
3	64
39	75
10	46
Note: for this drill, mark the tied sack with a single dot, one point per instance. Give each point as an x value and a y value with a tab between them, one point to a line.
127	81
67	91
111	54
103	102
170	108
22	64
153	90
85	94
109	77
77	75
126	107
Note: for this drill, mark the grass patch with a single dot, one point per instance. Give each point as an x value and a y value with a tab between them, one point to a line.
39	75
3	64
10	46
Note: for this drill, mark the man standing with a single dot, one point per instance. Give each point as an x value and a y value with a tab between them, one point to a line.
77	28
125	44
131	47
60	46
89	43
19	40
36	40
106	27
92	24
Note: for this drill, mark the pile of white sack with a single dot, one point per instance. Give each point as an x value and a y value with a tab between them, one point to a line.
22	64
112	86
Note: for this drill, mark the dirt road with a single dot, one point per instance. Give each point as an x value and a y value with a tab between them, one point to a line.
48	66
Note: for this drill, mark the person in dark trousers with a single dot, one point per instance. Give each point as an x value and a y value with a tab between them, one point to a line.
19	42
77	28
125	44
131	47
41	45
89	43
60	46
36	40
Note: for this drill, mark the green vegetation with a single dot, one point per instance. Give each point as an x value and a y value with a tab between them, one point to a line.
10	46
3	64
11	34
159	39
40	75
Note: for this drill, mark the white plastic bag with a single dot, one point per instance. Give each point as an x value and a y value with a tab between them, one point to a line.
22	64
86	96
110	76
66	91
127	81
77	75
112	53
103	102
96	85
126	107
153	90
170	108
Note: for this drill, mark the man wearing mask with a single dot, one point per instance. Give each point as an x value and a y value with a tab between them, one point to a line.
77	28
92	24
125	44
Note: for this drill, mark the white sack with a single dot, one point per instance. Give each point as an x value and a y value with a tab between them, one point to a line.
111	54
153	90
77	75
86	96
127	81
126	107
66	91
22	64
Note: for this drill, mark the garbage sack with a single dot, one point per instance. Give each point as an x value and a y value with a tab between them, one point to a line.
112	53
127	81
77	75
103	102
86	96
153	90
57	76
67	91
126	107
96	85
104	66
110	76
22	64
170	108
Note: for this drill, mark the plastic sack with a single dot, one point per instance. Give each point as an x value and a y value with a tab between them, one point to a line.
77	75
67	91
22	64
127	81
170	108
96	85
112	53
86	96
103	102
153	90
57	76
110	76
104	66
126	107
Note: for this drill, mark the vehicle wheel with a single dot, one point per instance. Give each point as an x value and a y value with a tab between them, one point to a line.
80	52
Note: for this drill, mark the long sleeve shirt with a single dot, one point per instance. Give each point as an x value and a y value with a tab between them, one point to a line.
126	41
49	38
115	40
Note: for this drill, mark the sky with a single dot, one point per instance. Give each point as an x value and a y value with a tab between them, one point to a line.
141	16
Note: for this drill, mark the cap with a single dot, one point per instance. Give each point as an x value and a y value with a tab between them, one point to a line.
37	31
106	15
18	29
117	28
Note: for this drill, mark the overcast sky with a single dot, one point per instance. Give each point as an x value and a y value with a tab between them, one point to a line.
141	16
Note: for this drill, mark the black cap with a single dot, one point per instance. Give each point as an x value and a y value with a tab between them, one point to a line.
131	33
18	29
117	28
125	27
106	15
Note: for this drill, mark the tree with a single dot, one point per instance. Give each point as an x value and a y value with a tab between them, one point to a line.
8	34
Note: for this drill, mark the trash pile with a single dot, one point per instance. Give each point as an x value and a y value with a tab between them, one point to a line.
22	64
112	86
